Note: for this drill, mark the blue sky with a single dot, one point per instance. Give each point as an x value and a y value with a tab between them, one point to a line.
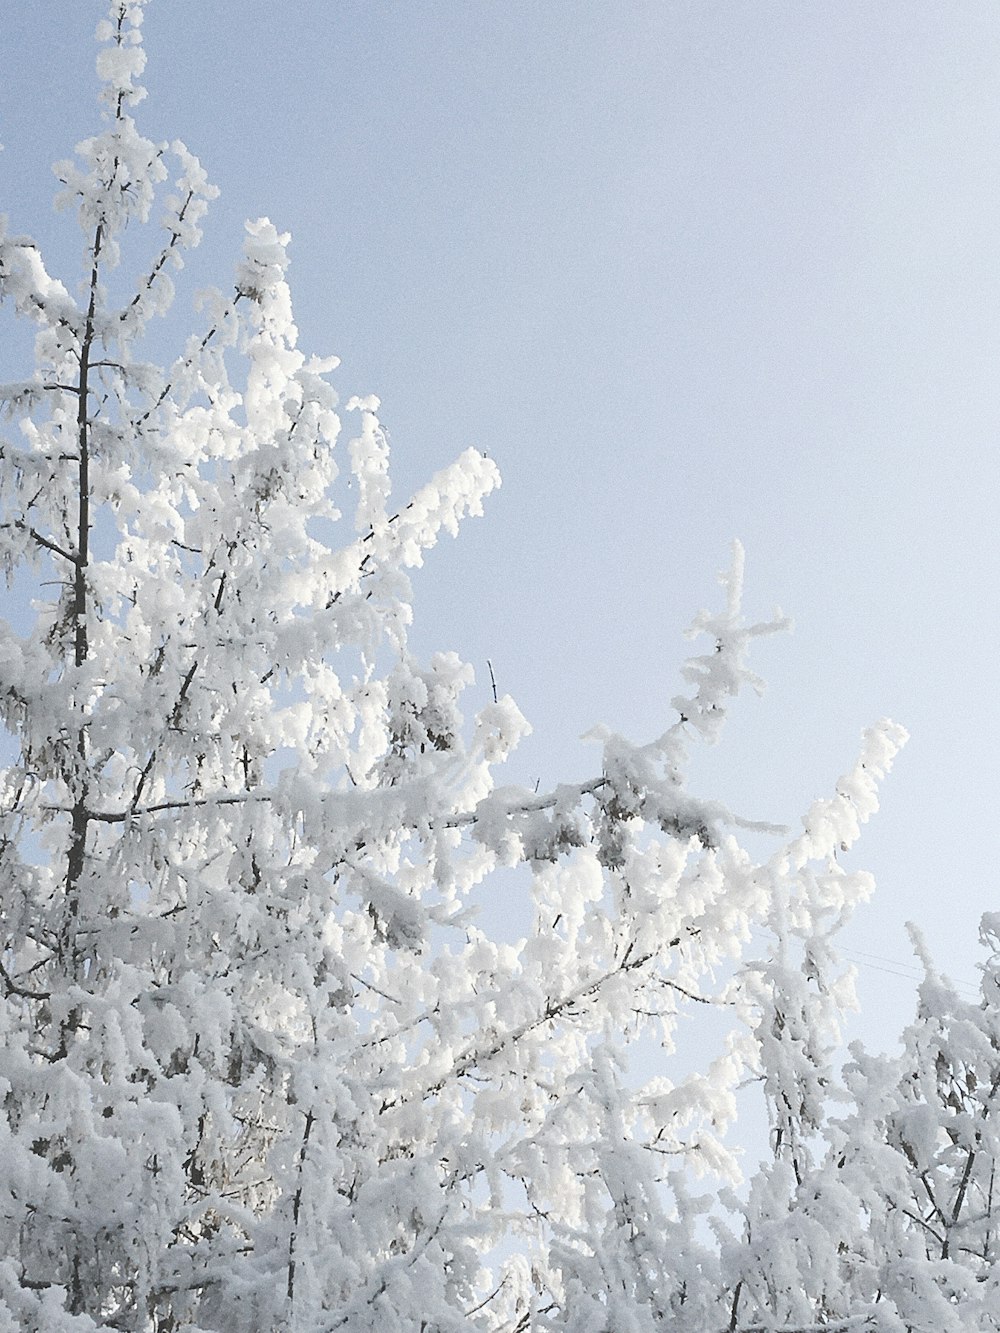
688	271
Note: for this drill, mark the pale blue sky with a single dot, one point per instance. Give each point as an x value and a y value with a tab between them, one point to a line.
688	271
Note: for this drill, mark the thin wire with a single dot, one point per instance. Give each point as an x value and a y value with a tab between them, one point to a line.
907	970
895	967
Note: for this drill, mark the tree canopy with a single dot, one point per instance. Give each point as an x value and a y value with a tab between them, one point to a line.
261	1065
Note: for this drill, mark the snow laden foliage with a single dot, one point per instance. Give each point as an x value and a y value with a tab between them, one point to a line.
261	1068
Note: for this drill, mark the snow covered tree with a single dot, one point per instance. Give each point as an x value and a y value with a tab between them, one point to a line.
260	1066
921	1150
887	1218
